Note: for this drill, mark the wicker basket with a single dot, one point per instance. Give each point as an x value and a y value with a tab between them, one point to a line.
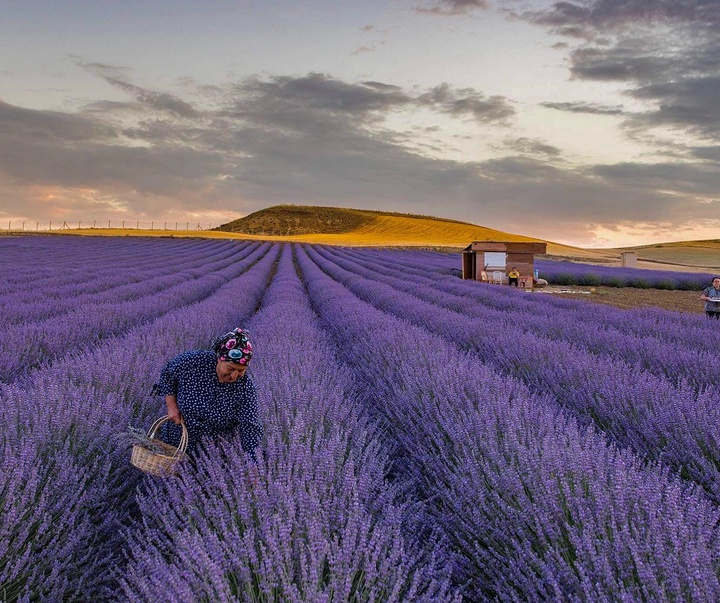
160	463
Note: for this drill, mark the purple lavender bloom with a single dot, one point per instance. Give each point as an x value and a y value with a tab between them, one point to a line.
316	520
573	273
71	484
648	395
414	451
537	507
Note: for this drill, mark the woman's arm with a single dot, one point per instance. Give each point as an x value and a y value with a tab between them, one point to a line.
172	409
251	428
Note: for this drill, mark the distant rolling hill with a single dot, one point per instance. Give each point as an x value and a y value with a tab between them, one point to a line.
356	227
695	254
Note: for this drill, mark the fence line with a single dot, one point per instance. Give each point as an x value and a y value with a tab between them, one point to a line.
35	225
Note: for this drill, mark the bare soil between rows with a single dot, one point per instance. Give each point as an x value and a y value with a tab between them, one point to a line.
628	297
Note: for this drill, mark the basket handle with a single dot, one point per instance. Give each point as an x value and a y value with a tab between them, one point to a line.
182	446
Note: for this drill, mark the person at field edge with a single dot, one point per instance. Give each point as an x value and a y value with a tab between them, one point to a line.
212	393
513	277
711	296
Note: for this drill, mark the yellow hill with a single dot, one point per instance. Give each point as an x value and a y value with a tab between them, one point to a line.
355	227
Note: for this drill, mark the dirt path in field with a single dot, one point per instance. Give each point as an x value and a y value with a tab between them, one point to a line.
628	297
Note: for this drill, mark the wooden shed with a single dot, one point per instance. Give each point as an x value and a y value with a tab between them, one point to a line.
490	261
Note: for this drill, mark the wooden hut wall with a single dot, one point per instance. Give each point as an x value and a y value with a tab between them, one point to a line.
488	246
522	261
531	248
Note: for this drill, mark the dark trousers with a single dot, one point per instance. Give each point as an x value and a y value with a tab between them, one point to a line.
711	314
512	281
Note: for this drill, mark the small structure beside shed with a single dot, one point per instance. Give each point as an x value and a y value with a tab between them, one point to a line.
628	259
490	261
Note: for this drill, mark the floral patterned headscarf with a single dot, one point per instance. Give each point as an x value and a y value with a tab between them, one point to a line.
234	347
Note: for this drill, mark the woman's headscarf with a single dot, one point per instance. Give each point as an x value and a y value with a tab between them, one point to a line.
234	346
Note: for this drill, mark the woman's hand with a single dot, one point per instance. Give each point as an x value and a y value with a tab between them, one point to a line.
172	409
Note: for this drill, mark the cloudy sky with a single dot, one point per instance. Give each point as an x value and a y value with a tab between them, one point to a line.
589	122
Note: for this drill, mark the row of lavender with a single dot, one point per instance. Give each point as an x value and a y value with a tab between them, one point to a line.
36	264
554	317
316	520
393	459
536	507
653	395
662	326
68	491
90	274
527	505
572	273
45	320
323	525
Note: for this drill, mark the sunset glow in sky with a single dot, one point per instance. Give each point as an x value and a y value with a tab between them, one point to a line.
589	122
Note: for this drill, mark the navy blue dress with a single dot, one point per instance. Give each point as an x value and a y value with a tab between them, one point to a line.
208	407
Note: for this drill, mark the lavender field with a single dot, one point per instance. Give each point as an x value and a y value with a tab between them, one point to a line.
426	438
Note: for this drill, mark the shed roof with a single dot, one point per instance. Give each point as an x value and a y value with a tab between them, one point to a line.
512	246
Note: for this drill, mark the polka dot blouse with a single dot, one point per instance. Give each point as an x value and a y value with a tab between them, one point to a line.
208	407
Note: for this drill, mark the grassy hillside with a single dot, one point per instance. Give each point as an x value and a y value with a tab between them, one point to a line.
294	220
355	227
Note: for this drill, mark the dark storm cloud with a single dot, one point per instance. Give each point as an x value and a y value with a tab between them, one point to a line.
530	146
560	197
161	171
468	102
158	101
382	86
88	150
692	179
579	107
649	55
285	100
691	103
594	16
320	99
667	51
16	122
451	8
709	153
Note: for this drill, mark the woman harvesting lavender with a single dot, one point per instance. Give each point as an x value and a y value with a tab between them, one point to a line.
711	296
210	391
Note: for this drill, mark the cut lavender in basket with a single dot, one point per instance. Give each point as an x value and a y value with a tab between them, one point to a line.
138	437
